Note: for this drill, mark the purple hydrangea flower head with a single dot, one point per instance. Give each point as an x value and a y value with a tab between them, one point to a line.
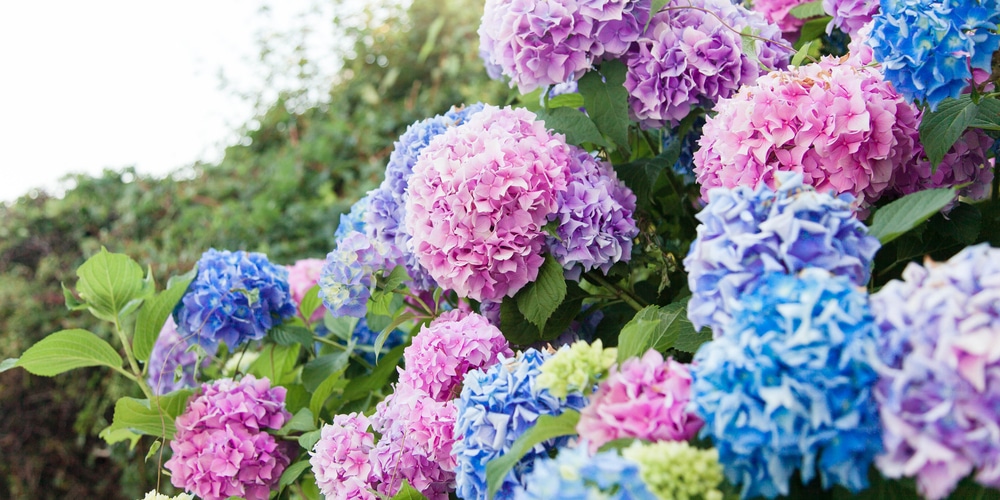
594	218
575	474
365	338
789	386
966	164
479	198
744	234
444	351
221	447
354	220
340	459
538	43
496	406
939	386
692	57
171	365
929	49
236	297
849	15
346	279
416	444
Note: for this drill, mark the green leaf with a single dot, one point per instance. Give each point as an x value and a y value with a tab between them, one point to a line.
292	473
153	448
309	439
813	29
546	427
540	298
432	33
988	115
384	334
288	335
570	100
640	176
137	415
361	387
654	8
515	327
340	326
116	436
940	129
606	100
319	369
690	341
395	279
574	124
302	421
654	327
908	212
72	303
275	362
310	302
7	364
407	492
108	282
749	42
68	349
963	223
335	382
807	10
803	52
153	315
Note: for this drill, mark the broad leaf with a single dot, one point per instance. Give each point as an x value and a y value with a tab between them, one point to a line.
570	100
940	129
360	387
335	382
153	315
68	349
606	101
988	114
906	213
108	282
275	362
546	427
7	364
309	439
690	341
310	302
137	416
574	124
407	492
654	327
540	298
807	10
302	421
318	370
116	436
401	317
292	473
287	335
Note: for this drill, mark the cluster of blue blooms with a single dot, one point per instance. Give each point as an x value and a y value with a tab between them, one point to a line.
576	475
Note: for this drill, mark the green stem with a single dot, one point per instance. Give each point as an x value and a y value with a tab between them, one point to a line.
623	294
324	340
136	375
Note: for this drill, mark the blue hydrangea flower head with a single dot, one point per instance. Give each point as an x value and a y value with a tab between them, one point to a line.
495	407
684	166
576	475
353	220
236	297
930	48
365	338
789	386
346	278
745	233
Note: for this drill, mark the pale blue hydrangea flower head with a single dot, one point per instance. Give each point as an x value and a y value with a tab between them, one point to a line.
574	474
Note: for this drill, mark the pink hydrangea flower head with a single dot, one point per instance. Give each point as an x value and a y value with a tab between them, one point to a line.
220	447
479	197
779	12
645	398
444	351
859	52
417	437
840	125
340	459
303	275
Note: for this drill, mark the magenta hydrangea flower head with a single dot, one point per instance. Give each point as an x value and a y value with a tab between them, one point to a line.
745	233
691	57
594	219
171	365
939	384
417	434
966	163
444	351
340	459
779	13
235	298
644	398
302	276
536	43
221	447
479	198
841	125
850	15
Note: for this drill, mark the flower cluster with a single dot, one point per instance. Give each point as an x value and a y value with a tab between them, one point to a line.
236	297
841	125
576	368
221	448
346	278
154	495
575	473
444	351
675	469
966	164
537	43
478	200
354	220
789	386
744	234
644	398
779	13
340	461
594	217
171	365
693	56
850	15
931	49
302	276
939	388
496	406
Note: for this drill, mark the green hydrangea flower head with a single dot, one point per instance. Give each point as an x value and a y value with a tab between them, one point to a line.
576	368
155	495
676	470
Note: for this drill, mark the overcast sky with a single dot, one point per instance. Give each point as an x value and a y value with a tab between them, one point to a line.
97	84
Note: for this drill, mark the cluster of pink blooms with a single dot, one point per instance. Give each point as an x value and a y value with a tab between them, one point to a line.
221	448
302	276
478	201
779	12
644	398
340	458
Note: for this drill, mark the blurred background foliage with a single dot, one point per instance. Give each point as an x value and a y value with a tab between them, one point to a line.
279	190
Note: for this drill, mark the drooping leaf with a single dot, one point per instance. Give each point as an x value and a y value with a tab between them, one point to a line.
138	416
574	124
68	349
310	302
275	362
908	212
807	10
540	298
292	473
401	317
654	327
108	282
940	129
606	100
319	369
546	427
153	315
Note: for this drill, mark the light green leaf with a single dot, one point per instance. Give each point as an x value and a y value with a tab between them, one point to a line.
310	302
407	492
116	436
570	100
7	364
292	473
68	349
302	421
908	212
108	282
137	416
153	448
940	129
309	439
432	34
654	8
540	298
401	317
335	382
153	315
574	124
803	52
320	369
654	327
546	427
275	362
807	10
606	100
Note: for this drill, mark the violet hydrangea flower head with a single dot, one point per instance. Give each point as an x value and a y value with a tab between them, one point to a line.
346	278
171	365
496	406
576	474
444	351
478	201
302	276
417	436
790	385
745	233
929	49
340	459
536	43
691	57
595	226
849	15
966	164
939	385
643	398
675	469
221	447
235	298
857	133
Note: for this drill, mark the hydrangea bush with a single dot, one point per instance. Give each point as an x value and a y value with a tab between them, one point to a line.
678	262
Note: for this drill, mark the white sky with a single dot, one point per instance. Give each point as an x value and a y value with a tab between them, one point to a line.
95	84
